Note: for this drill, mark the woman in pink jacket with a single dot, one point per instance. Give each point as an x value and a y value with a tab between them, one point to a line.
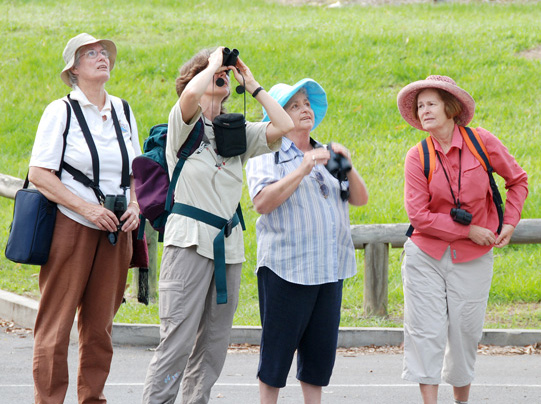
447	269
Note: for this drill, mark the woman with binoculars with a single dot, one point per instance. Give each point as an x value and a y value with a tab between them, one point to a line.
447	269
86	273
304	246
201	269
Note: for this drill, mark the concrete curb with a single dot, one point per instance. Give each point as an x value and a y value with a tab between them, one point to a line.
22	311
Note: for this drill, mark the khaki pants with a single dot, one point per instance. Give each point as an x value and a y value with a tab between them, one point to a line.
194	329
444	311
85	273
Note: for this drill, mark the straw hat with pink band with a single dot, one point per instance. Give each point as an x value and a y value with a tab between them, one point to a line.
408	95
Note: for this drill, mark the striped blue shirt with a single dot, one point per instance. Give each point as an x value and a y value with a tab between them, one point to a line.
307	239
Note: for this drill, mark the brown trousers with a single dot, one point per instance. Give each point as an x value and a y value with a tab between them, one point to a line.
85	273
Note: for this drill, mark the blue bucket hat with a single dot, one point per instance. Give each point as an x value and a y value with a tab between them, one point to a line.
316	95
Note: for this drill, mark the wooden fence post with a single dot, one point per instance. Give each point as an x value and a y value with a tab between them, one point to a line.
376	268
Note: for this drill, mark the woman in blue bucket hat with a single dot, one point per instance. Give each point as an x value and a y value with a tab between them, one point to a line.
304	246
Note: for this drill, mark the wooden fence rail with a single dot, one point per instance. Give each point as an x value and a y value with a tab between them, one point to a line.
375	239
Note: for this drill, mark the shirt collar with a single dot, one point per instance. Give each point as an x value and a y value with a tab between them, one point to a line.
287	145
457	140
78	95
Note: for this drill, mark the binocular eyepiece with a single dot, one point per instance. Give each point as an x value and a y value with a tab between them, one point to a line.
230	57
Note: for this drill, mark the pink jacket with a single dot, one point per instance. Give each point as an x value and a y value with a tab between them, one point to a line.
428	205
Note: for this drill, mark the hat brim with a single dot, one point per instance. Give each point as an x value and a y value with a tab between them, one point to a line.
282	93
106	43
408	95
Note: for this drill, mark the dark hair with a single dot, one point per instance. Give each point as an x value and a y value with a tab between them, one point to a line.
192	68
453	107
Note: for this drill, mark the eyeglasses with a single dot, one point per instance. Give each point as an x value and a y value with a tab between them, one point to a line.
322	186
93	53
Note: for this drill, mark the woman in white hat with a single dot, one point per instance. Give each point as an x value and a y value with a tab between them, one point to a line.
447	269
304	247
201	269
91	247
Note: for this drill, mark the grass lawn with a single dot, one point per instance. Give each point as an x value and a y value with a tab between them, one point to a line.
361	55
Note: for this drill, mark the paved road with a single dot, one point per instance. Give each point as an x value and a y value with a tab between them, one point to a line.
358	378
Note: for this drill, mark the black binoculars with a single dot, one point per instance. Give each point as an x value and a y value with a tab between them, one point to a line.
338	165
117	205
461	216
230	57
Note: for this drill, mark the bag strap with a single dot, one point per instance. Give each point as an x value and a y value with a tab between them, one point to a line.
476	146
64	136
88	138
427	155
125	181
82	178
126	108
183	155
478	149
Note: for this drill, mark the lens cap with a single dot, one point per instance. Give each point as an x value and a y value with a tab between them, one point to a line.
112	237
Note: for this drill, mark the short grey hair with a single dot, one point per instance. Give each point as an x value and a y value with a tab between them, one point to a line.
73	77
301	90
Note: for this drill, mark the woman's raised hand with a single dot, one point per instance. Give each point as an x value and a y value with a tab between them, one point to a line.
216	59
244	76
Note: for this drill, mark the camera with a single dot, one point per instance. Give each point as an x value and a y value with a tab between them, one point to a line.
338	165
117	205
461	216
230	57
